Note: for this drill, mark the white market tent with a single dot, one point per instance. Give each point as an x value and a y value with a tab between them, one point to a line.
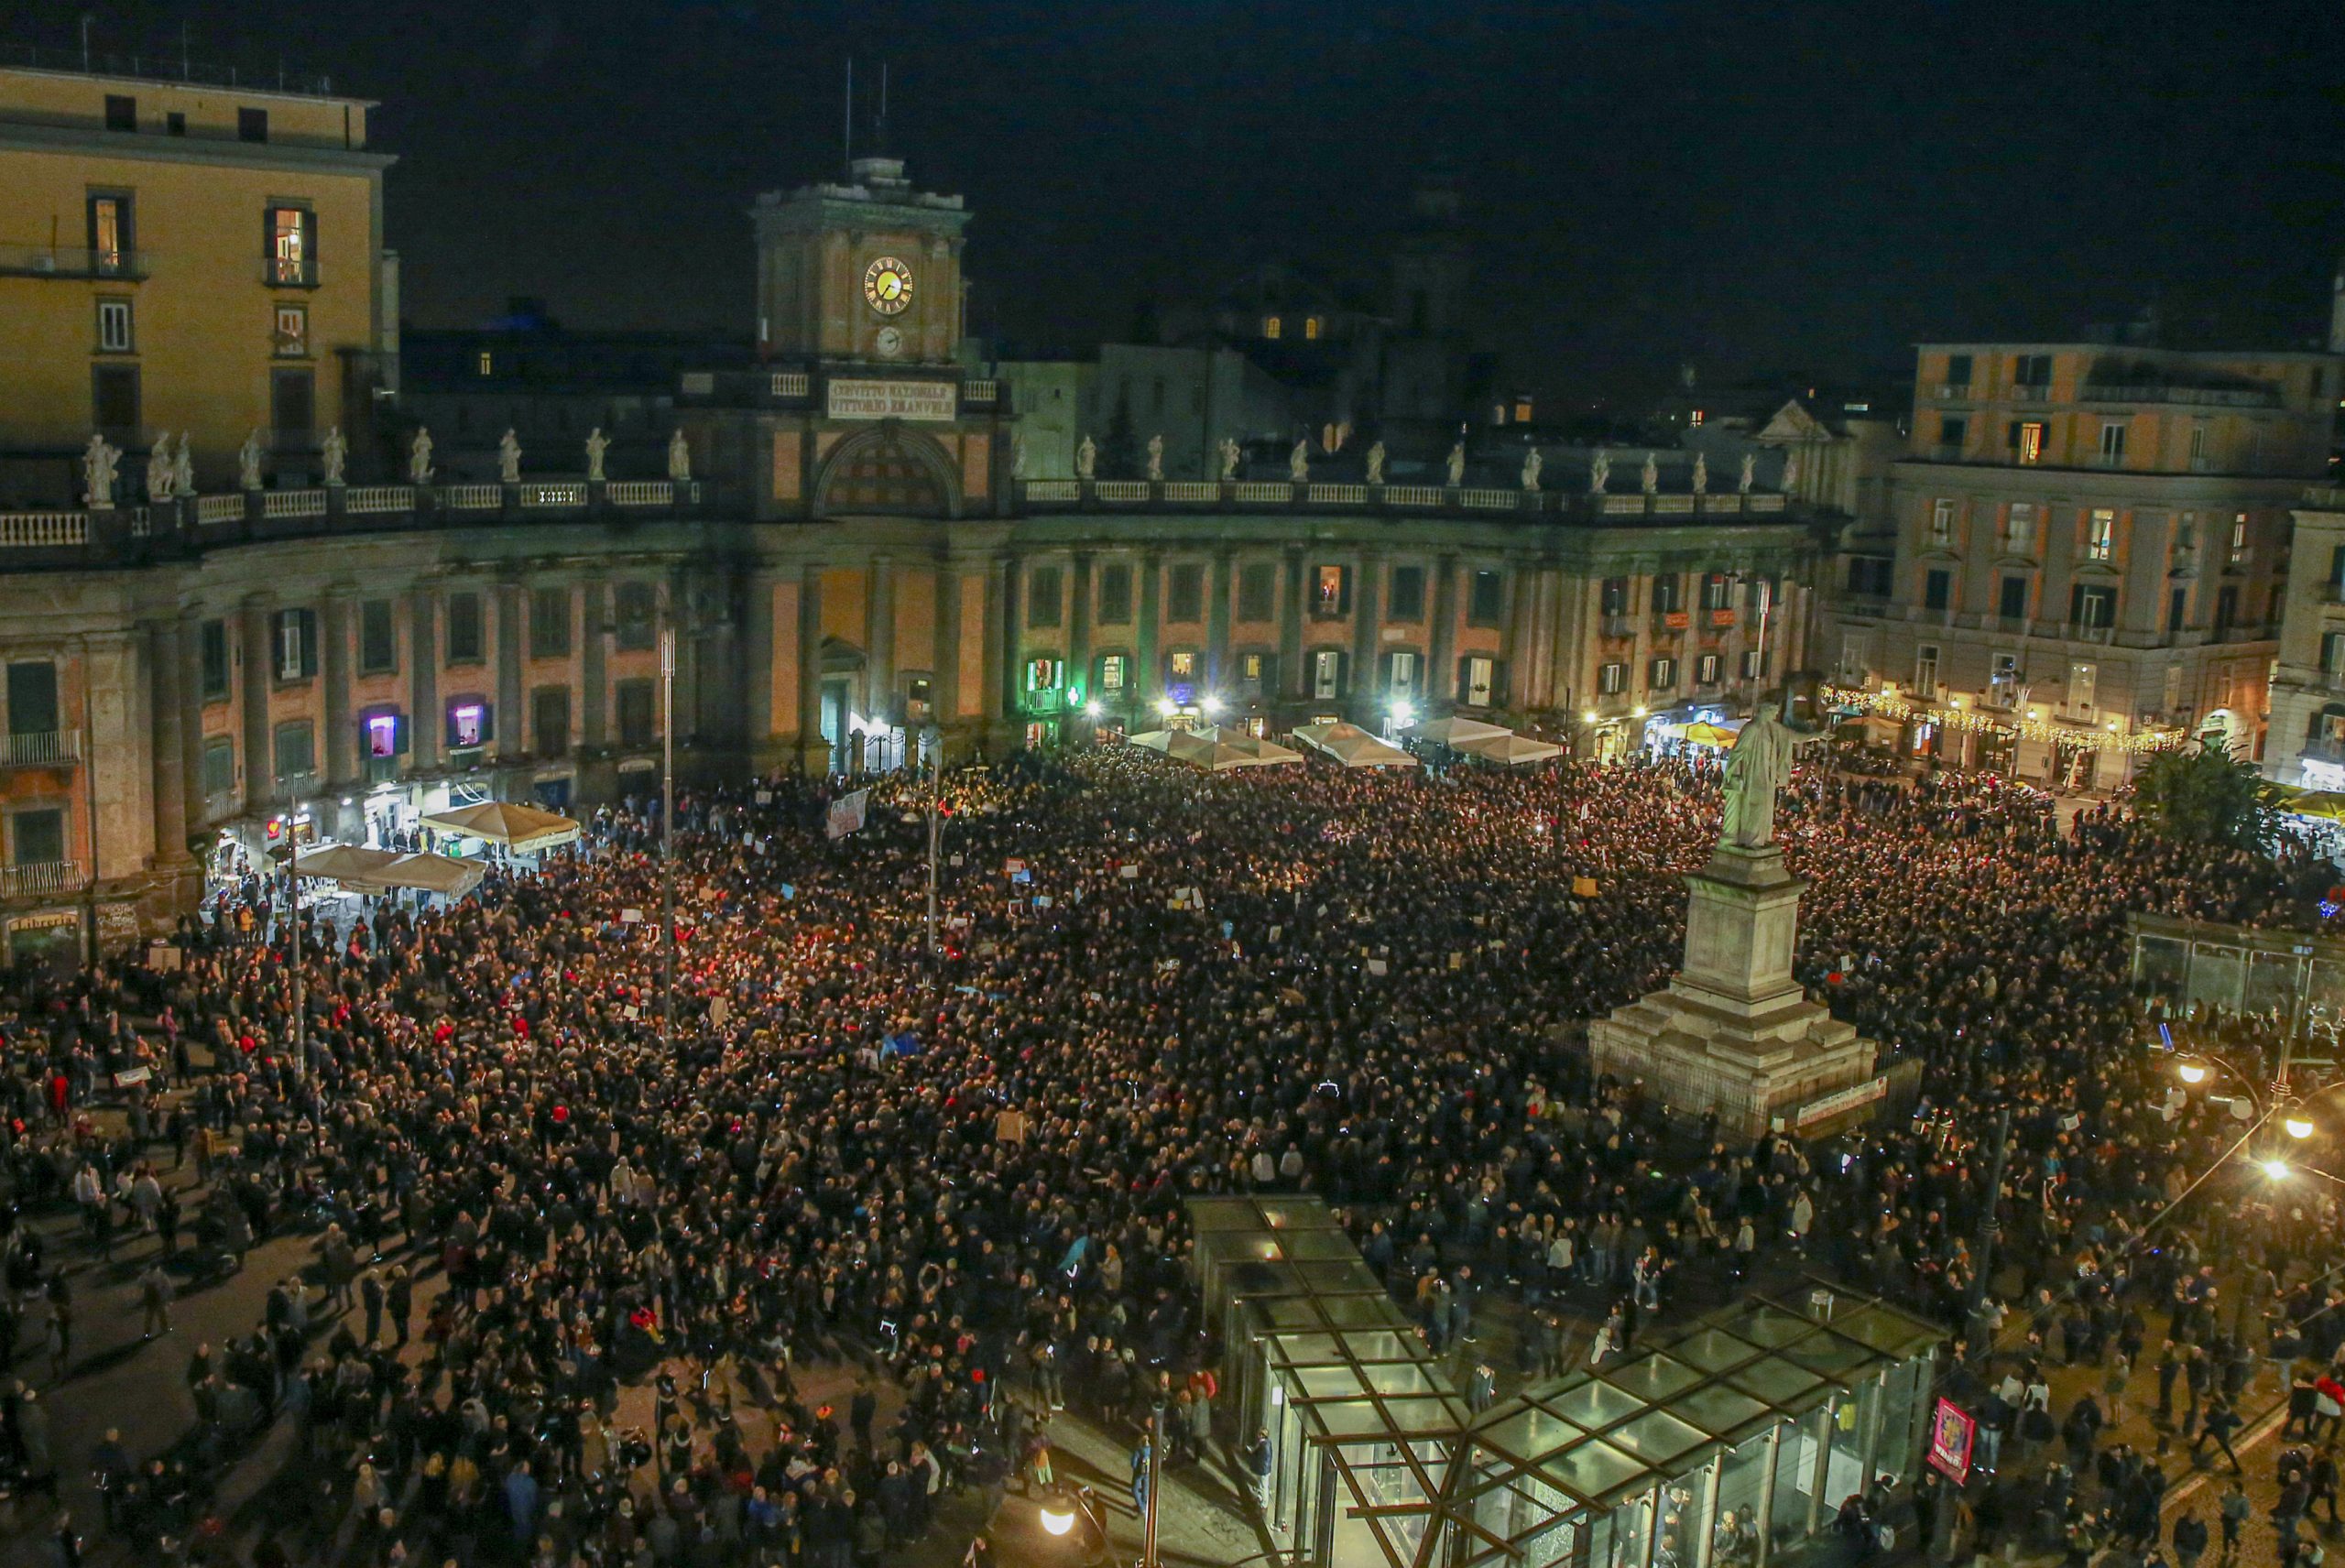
377	870
1353	746
1216	750
1265	753
1454	732
1511	750
509	823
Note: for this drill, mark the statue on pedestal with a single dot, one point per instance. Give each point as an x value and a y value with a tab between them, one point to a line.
1229	456
419	458
248	462
1532	463
1458	465
1086	459
509	457
336	451
183	469
680	459
158	471
1651	475
1759	765
598	443
1599	471
1018	457
98	462
1375	464
1701	473
1156	460
1742	483
1298	462
1790	470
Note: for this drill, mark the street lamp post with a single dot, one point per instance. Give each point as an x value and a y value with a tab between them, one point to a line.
1147	1556
293	887
935	835
668	838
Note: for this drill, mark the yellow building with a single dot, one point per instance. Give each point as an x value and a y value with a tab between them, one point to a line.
188	258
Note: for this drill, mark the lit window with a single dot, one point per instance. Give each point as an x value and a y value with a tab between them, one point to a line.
293	335
488	363
383	736
109	233
1612	679
1183	665
1326	674
2112	443
1523	412
2100	534
1271	326
467	723
1111	673
1041	674
1481	681
1311	326
292	245
1695	418
2027	439
2239	537
113	326
1941	519
2021	535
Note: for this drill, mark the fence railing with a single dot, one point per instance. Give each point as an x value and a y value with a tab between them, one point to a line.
377	498
980	393
1412	494
68	261
1121	489
44	877
790	383
560	494
1191	490
1339	494
43	748
1053	490
639	491
293	503
219	508
472	497
40	530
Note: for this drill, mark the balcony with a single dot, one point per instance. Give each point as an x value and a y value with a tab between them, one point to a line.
1720	619
71	262
2030	392
1953	391
47	876
42	748
1619	626
297	786
288	272
1672	620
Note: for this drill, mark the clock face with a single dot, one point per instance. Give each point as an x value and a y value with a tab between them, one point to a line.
891	341
888	284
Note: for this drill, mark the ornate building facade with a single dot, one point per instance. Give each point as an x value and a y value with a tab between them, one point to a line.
855	575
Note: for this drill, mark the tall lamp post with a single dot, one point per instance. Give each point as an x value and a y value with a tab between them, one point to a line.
294	890
668	838
931	733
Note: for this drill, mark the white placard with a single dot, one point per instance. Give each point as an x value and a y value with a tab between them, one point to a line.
867	398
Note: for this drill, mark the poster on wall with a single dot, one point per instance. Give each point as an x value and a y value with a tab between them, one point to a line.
1951	1435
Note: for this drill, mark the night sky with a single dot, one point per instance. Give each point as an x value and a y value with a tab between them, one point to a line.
1748	187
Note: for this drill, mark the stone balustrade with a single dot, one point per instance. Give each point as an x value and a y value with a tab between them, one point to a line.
1124	494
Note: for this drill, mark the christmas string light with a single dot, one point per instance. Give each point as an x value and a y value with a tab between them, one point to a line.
1889	705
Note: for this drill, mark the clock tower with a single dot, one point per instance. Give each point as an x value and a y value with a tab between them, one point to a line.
867	271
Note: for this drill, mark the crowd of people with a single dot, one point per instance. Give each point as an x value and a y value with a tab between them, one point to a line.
535	1178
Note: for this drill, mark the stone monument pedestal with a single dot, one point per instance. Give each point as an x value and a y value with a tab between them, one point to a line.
1734	1033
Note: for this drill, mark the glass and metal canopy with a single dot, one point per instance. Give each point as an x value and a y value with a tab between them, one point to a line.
1728	1440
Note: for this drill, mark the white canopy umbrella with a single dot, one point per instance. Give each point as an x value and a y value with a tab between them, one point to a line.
1455	733
1154	740
1353	746
1511	750
1264	753
433	874
509	823
343	862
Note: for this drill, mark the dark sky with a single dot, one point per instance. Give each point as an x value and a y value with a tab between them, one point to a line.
1746	186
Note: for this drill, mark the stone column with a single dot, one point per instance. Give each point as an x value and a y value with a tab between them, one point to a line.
1002	607
191	689
1292	679
944	682
594	662
338	748
1078	624
512	736
1367	580
260	666
1441	653
756	658
814	751
1146	682
426	724
1217	621
167	738
880	644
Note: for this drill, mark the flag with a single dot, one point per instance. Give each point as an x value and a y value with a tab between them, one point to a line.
847	813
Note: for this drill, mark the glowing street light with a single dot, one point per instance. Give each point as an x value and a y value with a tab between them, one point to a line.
2192	1071
2298	1126
1058	1521
1167	707
2276	1169
1095	709
1405	714
1212	706
1589	717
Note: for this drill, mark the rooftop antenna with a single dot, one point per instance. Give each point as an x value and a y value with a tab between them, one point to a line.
849	171
879	130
